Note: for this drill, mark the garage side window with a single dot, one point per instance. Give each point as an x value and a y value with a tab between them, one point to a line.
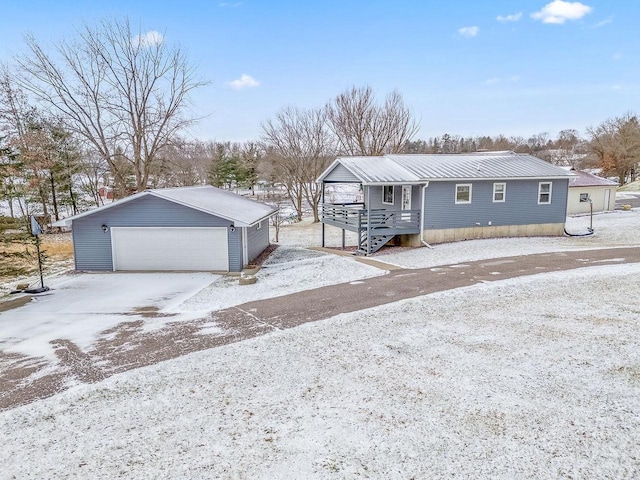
544	193
463	193
387	194
499	192
584	197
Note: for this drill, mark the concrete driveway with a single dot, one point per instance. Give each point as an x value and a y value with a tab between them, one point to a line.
79	306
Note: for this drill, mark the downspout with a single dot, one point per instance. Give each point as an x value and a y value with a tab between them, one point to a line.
245	246
368	220
322	214
422	212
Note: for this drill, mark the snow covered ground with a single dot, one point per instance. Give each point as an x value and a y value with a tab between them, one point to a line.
614	229
81	306
534	377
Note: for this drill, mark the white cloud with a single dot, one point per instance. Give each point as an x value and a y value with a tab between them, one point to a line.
509	18
604	22
559	12
469	31
148	39
245	81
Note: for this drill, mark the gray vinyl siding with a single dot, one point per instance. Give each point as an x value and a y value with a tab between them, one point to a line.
341	174
235	250
520	208
375	200
257	239
92	246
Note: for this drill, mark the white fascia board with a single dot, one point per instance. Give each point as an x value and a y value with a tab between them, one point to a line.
263	218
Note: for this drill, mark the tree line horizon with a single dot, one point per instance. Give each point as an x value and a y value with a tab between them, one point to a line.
109	106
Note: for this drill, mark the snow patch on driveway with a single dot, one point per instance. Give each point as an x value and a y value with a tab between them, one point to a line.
80	306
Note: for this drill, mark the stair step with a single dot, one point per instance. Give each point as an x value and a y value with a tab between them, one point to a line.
377	242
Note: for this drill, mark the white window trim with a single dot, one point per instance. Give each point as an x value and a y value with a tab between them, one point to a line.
540	192
259	226
470	193
393	194
504	192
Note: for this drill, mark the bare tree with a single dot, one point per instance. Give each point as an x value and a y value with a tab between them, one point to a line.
124	92
302	147
184	163
277	220
566	148
616	146
363	127
92	172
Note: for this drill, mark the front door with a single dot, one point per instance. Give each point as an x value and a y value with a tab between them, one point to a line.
607	199
406	201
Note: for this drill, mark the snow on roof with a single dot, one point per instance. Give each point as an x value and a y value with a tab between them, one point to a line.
586	179
221	203
467	166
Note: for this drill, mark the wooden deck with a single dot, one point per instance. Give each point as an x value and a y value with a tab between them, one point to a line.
355	218
373	226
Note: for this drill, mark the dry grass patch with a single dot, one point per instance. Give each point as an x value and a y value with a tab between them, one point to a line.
57	248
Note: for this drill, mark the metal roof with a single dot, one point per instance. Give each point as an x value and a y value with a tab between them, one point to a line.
242	211
467	166
377	169
585	179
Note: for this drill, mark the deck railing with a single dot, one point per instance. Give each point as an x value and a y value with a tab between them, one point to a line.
354	217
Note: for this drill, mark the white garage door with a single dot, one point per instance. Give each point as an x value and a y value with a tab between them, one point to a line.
152	248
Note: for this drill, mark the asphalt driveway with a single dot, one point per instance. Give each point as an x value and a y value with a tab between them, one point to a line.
133	344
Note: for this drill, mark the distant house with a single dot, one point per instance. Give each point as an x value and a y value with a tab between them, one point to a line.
105	193
441	198
193	228
586	190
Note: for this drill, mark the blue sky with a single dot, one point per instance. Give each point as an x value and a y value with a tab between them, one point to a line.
465	67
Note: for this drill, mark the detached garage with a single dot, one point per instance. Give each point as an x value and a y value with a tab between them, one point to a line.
587	191
192	228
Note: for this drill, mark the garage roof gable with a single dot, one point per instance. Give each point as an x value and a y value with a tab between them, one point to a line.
241	211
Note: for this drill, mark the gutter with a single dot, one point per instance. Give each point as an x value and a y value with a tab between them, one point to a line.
261	219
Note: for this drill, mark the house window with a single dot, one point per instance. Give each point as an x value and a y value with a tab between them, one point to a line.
387	194
259	226
544	192
584	197
463	193
499	192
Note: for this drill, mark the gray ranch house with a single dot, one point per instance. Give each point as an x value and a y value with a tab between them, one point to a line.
192	228
425	199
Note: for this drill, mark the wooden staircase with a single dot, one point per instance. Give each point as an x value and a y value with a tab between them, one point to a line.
377	242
